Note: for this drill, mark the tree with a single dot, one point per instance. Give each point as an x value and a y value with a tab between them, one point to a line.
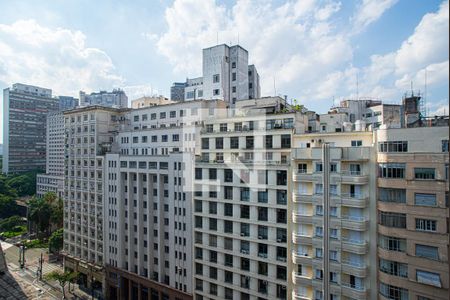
24	184
39	213
8	206
11	223
62	278
57	215
55	242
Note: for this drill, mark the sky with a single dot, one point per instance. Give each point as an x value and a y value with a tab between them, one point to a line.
317	52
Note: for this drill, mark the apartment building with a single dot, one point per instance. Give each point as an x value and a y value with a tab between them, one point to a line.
332	224
241	201
148	200
25	108
89	133
413	232
117	98
177	91
226	76
150	101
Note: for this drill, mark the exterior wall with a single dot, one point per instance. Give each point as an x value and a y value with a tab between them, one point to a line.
116	98
67	102
177	91
194	89
424	150
348	252
150	101
254	88
24	113
49	183
332	122
89	134
240	235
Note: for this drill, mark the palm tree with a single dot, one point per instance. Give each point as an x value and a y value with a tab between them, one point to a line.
39	212
62	278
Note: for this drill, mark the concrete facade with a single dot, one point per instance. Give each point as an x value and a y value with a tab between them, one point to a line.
117	98
25	108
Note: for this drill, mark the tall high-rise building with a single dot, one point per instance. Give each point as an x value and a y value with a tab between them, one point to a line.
53	179
67	102
149	191
333	216
25	109
89	133
413	213
117	99
226	76
177	91
242	194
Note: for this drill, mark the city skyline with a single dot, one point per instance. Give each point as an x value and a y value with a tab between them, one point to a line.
313	52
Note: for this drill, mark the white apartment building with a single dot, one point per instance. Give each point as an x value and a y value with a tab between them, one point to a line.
226	76
241	206
53	179
89	134
148	200
332	222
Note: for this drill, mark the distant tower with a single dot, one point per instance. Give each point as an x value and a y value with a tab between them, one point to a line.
412	109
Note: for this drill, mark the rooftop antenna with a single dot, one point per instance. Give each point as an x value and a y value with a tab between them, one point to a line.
357	86
412	91
424	101
238	38
274	87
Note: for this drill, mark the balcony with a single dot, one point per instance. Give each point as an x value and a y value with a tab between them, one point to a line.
296	296
301	258
300	279
353	291
304	176
354	177
301	239
303	198
358	269
354	246
354	200
302	217
359	223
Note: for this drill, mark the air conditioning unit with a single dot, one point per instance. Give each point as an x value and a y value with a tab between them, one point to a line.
242	234
260	237
264	282
278	240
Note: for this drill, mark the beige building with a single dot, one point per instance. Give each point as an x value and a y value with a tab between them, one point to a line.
332	225
150	101
413	233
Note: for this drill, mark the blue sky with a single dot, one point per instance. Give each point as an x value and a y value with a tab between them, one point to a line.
312	50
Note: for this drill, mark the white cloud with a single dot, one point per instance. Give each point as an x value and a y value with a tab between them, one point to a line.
428	44
293	42
369	11
55	58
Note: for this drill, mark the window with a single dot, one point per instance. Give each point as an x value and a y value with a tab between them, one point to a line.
425	199
444	145
429	278
281	177
234	142
427	251
233	76
228	175
162	115
223	127
173	114
219	143
249	142
393	292
391	170
393	146
190	94
392	195
392	243
357	143
425	225
228	209
394	268
216	78
205	143
212	174
390	219
216	92
198	173
285	141
424	173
